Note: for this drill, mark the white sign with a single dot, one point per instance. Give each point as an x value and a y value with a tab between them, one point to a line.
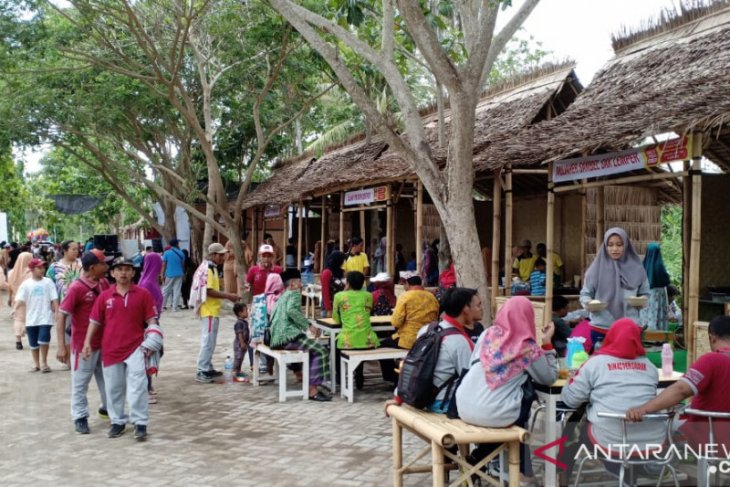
4	227
272	211
360	197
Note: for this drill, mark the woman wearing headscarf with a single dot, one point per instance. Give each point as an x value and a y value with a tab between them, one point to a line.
332	280
383	294
654	315
614	379
273	291
614	275
430	270
150	280
20	273
496	391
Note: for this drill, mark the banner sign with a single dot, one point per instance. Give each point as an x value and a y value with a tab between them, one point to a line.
679	149
272	211
366	196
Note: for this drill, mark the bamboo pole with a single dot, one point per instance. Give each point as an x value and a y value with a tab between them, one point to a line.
342	222
299	235
600	215
686	231
305	251
389	237
629	179
419	226
285	237
694	249
529	171
549	244
508	231
323	235
496	224
583	232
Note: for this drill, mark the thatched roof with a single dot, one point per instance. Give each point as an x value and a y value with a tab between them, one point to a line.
670	76
512	105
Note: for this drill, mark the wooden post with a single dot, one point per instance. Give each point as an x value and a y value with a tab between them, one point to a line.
686	231
419	226
600	215
255	232
323	235
397	454
437	459
285	237
389	237
496	224
549	244
694	248
299	235
508	231
342	222
305	251
583	232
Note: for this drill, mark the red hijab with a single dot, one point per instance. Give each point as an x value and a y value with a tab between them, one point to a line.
623	340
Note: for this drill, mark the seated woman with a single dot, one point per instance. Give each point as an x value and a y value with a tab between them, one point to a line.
383	294
496	391
351	309
614	379
289	331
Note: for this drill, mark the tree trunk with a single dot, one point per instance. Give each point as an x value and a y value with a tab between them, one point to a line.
169	227
209	215
235	237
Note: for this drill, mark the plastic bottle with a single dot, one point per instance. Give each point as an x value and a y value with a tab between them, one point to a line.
228	370
667	360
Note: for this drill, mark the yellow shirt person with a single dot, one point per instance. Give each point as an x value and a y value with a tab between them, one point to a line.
414	309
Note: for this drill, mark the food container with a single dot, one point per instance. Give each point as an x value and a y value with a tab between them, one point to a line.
637	301
596	306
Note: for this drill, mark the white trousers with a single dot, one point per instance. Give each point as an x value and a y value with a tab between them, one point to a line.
127	379
81	373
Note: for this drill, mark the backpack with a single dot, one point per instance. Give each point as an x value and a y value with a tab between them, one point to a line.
415	384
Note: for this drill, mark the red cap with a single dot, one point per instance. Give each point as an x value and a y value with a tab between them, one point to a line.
36	263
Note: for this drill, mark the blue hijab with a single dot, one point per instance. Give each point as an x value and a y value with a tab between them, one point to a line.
654	265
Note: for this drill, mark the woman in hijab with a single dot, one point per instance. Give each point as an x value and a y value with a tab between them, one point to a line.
150	280
614	275
614	379
383	295
20	273
496	391
273	291
332	280
654	315
430	272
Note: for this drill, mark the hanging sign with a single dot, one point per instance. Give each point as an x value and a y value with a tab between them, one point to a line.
366	196
272	211
679	149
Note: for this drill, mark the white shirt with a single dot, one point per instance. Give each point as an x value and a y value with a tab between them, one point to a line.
37	296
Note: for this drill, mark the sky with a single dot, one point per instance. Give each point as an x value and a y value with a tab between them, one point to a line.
570	29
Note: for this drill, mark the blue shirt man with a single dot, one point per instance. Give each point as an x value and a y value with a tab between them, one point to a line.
173	273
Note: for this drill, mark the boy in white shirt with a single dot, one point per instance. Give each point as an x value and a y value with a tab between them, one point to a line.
37	302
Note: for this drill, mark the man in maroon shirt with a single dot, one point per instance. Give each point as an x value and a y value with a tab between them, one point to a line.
121	313
256	277
706	379
78	303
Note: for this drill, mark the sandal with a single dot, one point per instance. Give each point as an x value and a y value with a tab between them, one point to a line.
151	399
34	369
320	397
45	369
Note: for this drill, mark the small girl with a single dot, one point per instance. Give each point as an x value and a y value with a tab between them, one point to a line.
240	343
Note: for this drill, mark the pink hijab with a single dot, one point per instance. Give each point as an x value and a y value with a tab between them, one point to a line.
273	291
20	271
509	345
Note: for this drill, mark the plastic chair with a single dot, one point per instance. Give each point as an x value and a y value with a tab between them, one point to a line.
631	462
563	414
703	462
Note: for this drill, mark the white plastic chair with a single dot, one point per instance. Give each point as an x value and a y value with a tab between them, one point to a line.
631	462
703	462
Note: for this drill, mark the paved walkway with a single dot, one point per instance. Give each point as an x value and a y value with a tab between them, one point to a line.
200	434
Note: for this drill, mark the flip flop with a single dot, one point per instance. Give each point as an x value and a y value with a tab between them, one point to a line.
34	369
46	369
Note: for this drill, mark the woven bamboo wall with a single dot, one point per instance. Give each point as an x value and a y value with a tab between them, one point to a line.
333	225
633	208
715	232
431	223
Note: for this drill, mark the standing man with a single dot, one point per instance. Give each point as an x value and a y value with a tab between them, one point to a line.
278	256
209	297
173	273
121	314
77	304
357	260
257	275
524	264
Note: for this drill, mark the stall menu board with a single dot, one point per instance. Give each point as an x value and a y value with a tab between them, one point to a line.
366	196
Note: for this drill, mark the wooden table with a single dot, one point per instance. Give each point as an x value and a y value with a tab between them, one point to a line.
657	336
328	325
550	395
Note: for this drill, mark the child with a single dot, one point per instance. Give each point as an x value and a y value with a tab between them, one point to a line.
537	278
562	328
38	298
240	343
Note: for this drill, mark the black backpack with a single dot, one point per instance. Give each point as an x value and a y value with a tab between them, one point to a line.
415	384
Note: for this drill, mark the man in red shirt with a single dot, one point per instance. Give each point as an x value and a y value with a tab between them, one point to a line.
78	303
121	313
256	276
706	379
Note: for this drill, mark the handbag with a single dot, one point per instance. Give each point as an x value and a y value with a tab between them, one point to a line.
267	336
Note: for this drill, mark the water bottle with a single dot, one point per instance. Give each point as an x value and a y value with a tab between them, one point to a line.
228	370
667	360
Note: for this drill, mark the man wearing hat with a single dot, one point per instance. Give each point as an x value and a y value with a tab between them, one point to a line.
209	297
121	314
289	331
173	273
78	304
257	275
524	264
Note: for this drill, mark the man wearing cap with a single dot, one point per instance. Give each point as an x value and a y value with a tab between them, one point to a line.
121	314
37	304
357	260
78	304
208	300
173	273
524	264
257	275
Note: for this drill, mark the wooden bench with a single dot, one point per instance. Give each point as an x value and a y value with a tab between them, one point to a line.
351	359
443	433
283	358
